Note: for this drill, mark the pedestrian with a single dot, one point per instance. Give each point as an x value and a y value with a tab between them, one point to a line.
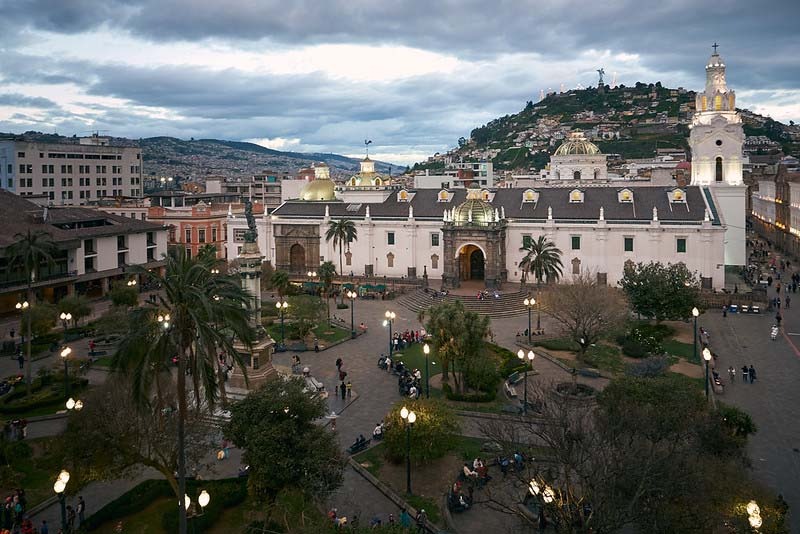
422	519
70	519
44	529
21	360
12	333
724	310
336	390
343	390
349	389
778	319
405	519
339	364
391	519
732	373
91	347
745	372
752	373
82	503
788	301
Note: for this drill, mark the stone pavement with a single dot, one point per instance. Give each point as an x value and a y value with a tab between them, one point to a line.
773	399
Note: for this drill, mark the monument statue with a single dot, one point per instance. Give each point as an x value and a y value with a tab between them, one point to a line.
251	234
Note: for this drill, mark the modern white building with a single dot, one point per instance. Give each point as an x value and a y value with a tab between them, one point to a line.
764	201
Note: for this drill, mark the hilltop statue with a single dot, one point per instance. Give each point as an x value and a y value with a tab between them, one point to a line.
252	233
601	71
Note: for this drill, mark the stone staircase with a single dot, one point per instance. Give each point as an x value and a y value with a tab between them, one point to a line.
508	305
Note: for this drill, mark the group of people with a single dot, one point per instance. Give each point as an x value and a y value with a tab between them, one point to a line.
345	389
14	518
408	381
485	294
748	373
401	340
533	333
403	519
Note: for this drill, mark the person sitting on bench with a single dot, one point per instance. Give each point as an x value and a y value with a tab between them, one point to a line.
378	432
469	472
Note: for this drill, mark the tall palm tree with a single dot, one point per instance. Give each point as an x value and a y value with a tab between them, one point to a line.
543	260
206	312
327	272
280	282
29	251
342	233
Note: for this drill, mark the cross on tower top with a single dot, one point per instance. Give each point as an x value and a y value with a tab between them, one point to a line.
715	46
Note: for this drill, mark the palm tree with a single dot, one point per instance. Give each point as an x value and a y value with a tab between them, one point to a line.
327	272
28	252
543	260
342	232
208	252
198	313
280	282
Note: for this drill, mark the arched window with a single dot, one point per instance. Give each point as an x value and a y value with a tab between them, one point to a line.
718	171
576	175
378	182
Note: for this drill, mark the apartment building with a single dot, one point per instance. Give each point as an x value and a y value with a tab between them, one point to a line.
71	174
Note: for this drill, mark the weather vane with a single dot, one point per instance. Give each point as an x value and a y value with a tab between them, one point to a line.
367	142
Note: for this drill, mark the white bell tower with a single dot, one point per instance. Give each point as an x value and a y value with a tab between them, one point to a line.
716	141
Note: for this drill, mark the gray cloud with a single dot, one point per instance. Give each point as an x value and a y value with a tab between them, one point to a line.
16	99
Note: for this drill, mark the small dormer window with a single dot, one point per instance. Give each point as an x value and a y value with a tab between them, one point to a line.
402	196
576	196
626	195
444	196
379	182
529	195
353	181
677	195
485	195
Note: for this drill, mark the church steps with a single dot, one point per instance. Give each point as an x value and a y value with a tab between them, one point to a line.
508	305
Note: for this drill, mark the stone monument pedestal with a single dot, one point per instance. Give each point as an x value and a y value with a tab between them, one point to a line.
258	360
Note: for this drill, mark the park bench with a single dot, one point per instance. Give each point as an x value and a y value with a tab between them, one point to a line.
312	382
515	378
589	372
512	409
511	391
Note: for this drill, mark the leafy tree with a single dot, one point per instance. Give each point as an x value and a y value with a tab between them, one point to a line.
116	436
123	295
342	233
306	312
280	282
40	319
458	340
206	313
586	310
433	435
284	447
327	272
462	142
663	292
30	252
266	275
542	259
77	305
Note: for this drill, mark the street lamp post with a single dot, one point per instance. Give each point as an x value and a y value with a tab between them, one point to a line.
521	355
529	303
352	296
409	418
59	487
282	308
65	319
64	354
73	404
390	315
695	313
427	350
707	358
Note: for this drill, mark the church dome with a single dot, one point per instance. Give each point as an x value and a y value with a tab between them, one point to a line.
577	144
367	176
473	210
319	190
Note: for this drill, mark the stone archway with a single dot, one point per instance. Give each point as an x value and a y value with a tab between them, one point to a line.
297	258
471	262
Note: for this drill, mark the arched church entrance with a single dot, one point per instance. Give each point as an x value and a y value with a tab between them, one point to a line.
297	258
472	263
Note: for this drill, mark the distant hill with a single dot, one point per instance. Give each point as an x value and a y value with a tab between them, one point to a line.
170	156
630	121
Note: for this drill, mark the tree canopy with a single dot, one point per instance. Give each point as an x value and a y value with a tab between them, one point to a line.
542	259
662	292
284	447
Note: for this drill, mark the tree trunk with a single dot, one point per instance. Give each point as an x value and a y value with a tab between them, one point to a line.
28	359
182	412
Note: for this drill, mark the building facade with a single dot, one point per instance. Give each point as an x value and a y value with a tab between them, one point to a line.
94	248
71	174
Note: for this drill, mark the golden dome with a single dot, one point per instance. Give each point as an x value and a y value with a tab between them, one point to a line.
318	190
577	144
473	210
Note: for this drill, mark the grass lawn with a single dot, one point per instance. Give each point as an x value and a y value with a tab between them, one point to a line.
413	357
681	350
147	521
35	473
372	458
104	361
599	356
324	332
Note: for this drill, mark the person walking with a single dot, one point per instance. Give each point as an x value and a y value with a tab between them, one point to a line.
21	360
343	390
745	372
339	364
349	389
422	519
752	374
44	529
82	504
732	373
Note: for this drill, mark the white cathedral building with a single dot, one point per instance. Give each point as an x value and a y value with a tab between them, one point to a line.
476	234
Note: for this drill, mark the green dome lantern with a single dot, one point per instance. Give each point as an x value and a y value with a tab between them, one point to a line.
473	211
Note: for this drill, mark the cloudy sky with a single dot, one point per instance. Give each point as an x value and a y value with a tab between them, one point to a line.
324	75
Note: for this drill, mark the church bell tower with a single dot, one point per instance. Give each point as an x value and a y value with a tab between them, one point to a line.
716	141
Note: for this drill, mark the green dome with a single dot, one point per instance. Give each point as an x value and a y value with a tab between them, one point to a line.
577	144
473	210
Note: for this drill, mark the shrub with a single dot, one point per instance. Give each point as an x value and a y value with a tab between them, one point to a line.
224	494
434	434
483	396
562	344
130	503
341	306
634	349
649	367
41	397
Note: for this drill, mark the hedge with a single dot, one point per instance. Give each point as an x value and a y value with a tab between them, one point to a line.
56	395
484	396
224	494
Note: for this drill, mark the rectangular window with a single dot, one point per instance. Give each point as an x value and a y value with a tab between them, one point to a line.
121	243
189	252
435	240
238	234
187	235
88	264
214	235
527	240
576	242
20	154
121	259
201	235
628	244
681	244
390	238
